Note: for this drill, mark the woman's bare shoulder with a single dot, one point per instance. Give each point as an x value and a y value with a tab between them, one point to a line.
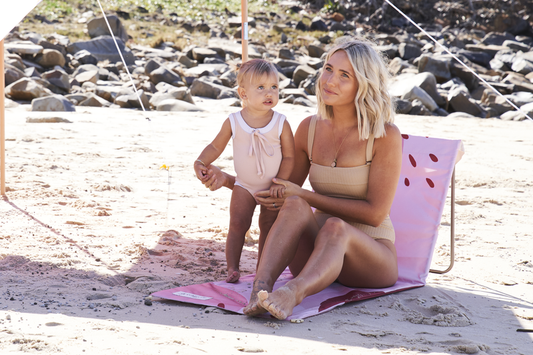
392	136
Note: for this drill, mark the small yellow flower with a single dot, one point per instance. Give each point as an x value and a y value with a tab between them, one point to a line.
164	167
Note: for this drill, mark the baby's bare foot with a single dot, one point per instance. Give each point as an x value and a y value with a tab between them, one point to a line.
233	276
279	303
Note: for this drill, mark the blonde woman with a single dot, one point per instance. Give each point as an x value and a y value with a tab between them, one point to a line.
351	152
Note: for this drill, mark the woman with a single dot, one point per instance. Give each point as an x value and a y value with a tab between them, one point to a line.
351	152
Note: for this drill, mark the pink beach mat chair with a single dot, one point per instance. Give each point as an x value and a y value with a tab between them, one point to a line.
427	169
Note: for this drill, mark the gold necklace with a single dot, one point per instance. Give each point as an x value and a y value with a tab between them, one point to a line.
334	164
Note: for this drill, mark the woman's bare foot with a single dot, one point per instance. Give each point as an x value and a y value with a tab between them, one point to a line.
253	308
233	276
279	303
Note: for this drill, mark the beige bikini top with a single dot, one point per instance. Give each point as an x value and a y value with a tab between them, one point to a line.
344	182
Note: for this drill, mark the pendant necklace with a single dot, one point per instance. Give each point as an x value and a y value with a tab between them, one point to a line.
334	164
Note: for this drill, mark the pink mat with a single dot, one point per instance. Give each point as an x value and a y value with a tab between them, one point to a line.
427	168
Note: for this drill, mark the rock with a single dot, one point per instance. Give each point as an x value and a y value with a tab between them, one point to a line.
522	66
26	89
438	66
403	106
32	72
315	51
419	109
494	38
303	102
103	48
301	73
202	87
94	100
293	92
97	27
409	51
286	53
58	78
52	103
132	100
526	109
50	58
200	54
481	58
183	94
459	102
416	93
85	57
12	74
516	46
317	24
177	105
229	78
186	61
23	47
87	76
163	74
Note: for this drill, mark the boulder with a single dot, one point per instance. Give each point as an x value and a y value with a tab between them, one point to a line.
459	102
23	47
85	57
182	93
409	51
301	73
12	74
419	94
526	109
103	48
52	103
97	27
163	74
94	100
177	105
315	50
26	89
58	78
50	58
202	87
440	67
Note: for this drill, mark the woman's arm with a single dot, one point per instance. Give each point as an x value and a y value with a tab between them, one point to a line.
382	183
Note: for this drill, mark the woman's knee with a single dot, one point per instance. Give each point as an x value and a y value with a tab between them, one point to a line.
334	230
294	203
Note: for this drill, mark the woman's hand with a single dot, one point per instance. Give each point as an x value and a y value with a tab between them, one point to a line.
274	203
214	178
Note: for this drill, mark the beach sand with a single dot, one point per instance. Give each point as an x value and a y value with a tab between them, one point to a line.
92	224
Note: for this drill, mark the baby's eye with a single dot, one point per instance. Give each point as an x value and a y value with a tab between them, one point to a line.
274	87
260	87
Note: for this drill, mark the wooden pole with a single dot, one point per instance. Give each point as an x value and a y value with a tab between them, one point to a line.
2	124
244	34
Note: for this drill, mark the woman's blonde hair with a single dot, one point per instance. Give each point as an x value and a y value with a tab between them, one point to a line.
253	69
373	104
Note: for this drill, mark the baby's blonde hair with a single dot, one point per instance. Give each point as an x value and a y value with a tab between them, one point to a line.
373	104
254	68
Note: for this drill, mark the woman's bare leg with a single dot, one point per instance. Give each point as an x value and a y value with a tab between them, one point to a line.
341	253
241	211
290	239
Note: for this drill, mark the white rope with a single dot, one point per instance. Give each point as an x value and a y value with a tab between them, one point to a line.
121	57
457	59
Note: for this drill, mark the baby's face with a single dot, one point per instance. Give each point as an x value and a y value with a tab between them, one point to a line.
263	92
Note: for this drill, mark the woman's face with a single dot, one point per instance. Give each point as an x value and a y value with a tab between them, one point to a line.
338	81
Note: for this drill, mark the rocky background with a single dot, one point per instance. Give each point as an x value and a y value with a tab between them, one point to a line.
53	72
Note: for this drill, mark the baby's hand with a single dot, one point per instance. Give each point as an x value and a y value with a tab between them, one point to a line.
277	190
200	170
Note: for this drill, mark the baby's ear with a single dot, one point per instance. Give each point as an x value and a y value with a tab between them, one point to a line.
241	92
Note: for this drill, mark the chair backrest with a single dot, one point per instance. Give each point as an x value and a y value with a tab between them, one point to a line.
427	168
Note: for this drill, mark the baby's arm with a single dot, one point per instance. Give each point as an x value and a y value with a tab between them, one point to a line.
212	151
287	160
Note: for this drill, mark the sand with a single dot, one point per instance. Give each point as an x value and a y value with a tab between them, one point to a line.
91	224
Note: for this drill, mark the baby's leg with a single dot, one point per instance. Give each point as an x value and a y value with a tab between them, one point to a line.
241	211
266	220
